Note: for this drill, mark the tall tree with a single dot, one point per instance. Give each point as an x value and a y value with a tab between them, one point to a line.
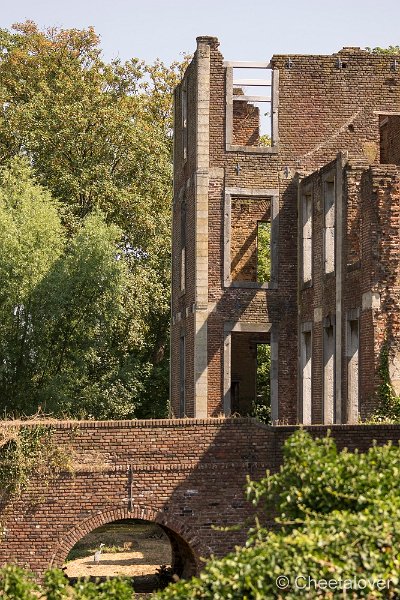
66	336
98	136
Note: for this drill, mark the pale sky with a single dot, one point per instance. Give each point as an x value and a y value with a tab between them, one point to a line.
248	30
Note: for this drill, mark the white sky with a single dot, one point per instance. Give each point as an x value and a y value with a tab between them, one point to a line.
247	29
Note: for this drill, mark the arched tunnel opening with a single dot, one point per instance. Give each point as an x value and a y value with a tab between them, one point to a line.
151	555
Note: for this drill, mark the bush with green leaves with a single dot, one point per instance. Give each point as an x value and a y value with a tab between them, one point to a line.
19	584
338	519
316	478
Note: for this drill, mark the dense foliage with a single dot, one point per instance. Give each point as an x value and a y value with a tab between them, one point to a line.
339	520
97	136
15	583
64	321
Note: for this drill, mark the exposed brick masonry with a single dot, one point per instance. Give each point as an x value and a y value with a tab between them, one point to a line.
328	106
187	475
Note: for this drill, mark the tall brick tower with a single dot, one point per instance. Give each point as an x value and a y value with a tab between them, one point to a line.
271	242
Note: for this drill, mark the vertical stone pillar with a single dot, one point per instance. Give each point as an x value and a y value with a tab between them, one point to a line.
201	226
340	163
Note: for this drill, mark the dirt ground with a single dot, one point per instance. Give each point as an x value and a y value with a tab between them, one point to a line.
131	549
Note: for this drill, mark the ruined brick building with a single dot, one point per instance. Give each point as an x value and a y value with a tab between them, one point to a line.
324	196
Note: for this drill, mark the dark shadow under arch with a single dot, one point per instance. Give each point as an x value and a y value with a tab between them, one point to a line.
185	548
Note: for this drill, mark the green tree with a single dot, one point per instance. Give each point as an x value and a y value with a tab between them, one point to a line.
98	136
66	328
388	50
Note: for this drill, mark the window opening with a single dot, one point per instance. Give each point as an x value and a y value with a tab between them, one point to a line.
250	389
183	247
329	374
184	119
389	130
306	212
182	377
250	240
251	107
352	370
263	251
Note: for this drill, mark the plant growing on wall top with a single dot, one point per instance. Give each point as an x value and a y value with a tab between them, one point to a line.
26	450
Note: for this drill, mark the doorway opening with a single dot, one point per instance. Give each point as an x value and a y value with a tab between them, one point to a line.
250	375
151	555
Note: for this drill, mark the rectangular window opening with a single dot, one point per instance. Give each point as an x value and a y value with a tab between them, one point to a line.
183	247
250	240
329	374
182	377
184	124
250	389
389	133
329	228
251	107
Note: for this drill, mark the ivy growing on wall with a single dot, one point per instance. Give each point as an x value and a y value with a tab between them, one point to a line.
26	450
389	409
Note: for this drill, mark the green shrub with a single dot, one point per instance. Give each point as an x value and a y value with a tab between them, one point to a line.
316	478
339	517
19	584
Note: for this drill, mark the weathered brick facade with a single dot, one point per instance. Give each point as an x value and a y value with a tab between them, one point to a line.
335	139
186	475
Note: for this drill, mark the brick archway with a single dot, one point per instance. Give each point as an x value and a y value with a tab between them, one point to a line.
186	549
185	475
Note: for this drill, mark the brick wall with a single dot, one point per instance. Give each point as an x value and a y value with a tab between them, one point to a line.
384	197
368	252
246	120
327	105
186	475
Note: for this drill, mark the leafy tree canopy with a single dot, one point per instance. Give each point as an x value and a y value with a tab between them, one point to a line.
98	137
388	50
66	307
